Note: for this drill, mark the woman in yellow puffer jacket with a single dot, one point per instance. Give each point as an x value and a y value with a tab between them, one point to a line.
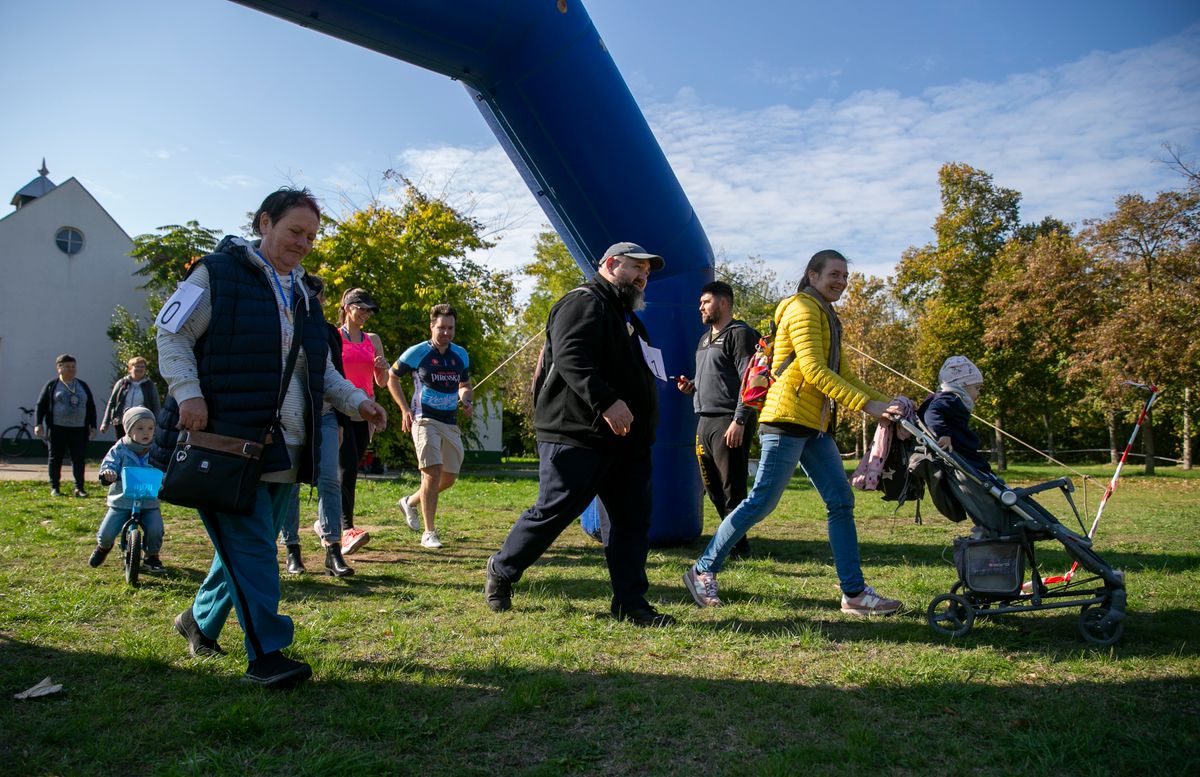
795	426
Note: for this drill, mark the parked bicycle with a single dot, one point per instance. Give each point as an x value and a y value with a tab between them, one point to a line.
137	483
17	440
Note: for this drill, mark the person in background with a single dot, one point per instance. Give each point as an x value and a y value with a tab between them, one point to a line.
224	361
797	423
596	415
132	390
365	367
441	383
328	526
66	413
725	426
132	450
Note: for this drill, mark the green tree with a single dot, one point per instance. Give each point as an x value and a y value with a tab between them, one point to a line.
943	284
757	290
166	257
411	257
1148	254
875	330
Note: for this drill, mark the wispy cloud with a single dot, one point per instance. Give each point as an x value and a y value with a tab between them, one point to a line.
860	174
232	181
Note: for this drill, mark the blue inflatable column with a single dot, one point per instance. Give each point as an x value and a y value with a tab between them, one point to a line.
549	89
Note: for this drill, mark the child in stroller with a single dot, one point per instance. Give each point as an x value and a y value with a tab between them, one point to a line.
1007	523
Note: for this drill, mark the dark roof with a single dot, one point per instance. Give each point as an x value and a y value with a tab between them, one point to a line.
34	189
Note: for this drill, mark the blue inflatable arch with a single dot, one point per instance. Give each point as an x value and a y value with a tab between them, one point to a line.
547	86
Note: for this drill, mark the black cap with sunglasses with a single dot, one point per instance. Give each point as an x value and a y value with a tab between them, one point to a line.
361	298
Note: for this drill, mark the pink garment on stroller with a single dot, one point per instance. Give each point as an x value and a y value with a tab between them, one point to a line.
870	469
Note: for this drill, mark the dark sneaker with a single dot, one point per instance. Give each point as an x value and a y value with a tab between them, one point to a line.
98	555
153	564
54	491
79	492
199	646
497	591
275	670
644	616
741	550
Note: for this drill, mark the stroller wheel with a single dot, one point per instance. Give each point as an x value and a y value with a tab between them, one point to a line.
1093	628
950	615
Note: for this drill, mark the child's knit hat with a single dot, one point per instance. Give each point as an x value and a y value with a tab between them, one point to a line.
135	414
959	371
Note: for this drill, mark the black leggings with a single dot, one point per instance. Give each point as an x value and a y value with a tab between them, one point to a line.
67	439
354	445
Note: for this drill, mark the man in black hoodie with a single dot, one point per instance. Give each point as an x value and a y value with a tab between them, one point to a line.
595	415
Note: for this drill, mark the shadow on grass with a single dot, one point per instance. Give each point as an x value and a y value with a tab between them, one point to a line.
400	716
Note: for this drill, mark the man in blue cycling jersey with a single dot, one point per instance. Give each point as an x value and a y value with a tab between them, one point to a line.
441	382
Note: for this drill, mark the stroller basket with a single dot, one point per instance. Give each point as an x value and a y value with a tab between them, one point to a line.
141	482
990	566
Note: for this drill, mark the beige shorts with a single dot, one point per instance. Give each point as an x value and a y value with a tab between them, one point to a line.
438	443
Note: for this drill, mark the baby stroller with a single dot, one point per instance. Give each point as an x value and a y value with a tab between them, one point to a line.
991	561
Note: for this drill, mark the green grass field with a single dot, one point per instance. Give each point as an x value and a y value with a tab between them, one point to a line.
413	675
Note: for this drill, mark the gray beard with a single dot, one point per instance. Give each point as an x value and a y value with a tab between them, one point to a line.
631	296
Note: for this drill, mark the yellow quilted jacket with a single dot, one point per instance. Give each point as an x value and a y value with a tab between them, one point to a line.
802	394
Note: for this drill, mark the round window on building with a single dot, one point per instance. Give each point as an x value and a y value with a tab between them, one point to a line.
69	240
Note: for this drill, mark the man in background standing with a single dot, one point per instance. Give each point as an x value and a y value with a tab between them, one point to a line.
725	426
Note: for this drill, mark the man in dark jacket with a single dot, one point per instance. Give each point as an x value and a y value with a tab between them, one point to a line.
595	416
725	426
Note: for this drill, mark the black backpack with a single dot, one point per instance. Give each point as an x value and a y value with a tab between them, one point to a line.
933	473
897	483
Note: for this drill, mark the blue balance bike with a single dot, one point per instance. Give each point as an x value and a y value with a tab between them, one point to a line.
137	483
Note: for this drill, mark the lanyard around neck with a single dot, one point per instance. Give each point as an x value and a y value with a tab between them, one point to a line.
288	303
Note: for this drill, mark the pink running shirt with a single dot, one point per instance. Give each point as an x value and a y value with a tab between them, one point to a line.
359	361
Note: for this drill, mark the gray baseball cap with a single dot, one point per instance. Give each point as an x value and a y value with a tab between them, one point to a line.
634	251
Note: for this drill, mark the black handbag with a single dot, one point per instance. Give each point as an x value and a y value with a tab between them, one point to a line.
217	471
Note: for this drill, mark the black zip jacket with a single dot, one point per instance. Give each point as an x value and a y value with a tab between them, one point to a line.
594	358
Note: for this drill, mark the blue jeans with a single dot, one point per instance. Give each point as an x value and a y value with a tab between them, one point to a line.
115	518
329	491
819	458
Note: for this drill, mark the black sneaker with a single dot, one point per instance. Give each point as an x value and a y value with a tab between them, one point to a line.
199	646
98	555
741	549
153	564
54	491
497	591
79	492
644	616
275	670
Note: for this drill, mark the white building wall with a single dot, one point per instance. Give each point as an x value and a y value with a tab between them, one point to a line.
51	303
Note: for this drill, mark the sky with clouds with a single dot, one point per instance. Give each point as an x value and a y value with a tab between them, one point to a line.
792	126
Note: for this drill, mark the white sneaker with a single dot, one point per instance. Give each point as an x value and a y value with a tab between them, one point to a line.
317	531
411	514
430	540
869	603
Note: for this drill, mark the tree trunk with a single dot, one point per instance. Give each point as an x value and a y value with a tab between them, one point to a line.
1049	433
864	443
998	455
1148	442
1112	436
1187	428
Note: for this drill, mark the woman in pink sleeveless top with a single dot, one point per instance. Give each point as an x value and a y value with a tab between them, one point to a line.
362	357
